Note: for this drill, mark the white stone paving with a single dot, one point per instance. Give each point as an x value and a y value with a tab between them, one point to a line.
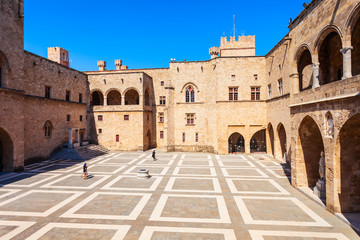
188	196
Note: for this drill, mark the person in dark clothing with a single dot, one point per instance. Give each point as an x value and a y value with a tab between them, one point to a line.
153	155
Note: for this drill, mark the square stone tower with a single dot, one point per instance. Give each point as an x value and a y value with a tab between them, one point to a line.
243	47
59	55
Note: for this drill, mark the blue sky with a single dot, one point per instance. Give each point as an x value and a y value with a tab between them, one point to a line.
146	34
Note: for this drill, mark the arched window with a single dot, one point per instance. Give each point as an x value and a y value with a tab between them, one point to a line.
47	129
132	97
190	94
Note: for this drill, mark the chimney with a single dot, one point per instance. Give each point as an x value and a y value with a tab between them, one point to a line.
101	65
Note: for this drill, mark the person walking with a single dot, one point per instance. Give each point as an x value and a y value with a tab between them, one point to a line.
85	173
153	155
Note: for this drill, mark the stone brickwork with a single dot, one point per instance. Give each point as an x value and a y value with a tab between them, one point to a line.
25	108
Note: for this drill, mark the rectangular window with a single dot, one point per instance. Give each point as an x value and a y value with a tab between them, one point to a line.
190	118
117	138
67	96
126	117
233	94
255	77
100	130
147	117
80	118
162	83
233	77
162	100
280	83
161	134
255	93
47	92
196	137
161	117
183	137
269	90
68	118
80	98
100	117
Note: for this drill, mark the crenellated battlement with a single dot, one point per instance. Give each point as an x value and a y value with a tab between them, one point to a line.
243	46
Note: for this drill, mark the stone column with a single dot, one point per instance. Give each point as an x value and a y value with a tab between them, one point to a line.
105	100
316	73
141	100
295	83
70	145
346	62
122	100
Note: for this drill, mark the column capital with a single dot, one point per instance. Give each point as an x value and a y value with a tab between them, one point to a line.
316	65
345	49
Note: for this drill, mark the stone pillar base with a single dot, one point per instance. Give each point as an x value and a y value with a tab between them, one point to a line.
320	188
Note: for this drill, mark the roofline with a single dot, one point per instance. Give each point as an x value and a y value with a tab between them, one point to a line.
27	52
303	13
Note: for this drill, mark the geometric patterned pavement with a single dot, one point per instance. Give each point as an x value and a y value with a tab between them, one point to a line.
189	196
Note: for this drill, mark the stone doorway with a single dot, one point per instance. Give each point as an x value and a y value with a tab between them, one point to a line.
6	152
271	137
282	142
258	142
348	149
236	143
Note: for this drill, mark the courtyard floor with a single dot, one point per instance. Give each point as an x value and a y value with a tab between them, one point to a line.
189	196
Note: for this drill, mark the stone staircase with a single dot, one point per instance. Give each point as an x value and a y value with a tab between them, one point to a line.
80	153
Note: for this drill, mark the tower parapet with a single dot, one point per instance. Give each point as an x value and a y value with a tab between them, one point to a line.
244	46
101	65
214	52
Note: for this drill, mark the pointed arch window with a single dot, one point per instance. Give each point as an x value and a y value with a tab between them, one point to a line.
190	94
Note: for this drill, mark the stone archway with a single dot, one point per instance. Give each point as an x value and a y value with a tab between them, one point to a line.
258	142
330	58
304	66
271	139
355	43
113	98
309	146
281	135
348	159
236	143
132	97
6	152
97	98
